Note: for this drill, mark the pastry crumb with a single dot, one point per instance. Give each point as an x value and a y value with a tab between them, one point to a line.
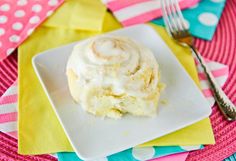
164	101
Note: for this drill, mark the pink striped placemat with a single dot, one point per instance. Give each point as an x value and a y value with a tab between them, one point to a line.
8	151
221	49
131	12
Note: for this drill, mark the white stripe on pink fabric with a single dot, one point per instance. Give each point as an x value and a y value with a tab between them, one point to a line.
13	90
131	12
219	80
8	127
212	65
8	106
136	10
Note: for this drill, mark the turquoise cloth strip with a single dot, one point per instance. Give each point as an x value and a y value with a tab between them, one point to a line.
135	154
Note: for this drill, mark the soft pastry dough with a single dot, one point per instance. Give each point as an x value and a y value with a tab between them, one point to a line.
110	76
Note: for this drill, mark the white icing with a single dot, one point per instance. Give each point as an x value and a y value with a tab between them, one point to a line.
108	61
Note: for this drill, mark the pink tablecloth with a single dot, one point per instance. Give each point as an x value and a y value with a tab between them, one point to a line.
222	49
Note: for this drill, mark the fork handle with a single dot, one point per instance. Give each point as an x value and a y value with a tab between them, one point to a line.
226	106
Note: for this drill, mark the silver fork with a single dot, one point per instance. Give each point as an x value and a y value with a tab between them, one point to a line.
177	29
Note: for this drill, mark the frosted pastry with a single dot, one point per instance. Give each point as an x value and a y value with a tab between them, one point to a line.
110	76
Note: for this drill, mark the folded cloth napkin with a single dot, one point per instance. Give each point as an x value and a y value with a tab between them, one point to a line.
91	20
19	18
202	18
133	12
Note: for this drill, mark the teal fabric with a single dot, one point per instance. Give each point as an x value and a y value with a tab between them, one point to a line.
127	155
231	158
202	18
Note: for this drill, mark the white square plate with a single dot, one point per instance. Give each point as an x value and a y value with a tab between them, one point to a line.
93	137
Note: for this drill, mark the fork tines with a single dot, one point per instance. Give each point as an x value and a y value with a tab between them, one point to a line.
173	17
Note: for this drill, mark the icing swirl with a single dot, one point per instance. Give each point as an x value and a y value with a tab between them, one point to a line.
118	63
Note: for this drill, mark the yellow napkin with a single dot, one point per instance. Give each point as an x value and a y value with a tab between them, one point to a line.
39	129
69	15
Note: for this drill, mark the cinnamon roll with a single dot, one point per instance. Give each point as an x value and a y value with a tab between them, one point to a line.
110	76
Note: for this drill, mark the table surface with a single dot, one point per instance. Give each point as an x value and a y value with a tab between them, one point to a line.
221	49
